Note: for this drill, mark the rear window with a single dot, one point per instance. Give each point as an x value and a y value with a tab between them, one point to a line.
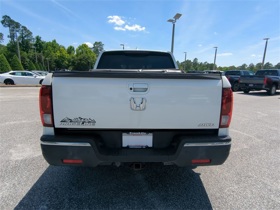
267	72
135	60
232	73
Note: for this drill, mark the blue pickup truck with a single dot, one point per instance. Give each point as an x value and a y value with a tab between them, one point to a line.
268	79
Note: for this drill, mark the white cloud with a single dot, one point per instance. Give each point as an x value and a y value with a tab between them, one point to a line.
90	45
253	55
134	28
117	28
117	20
225	54
122	25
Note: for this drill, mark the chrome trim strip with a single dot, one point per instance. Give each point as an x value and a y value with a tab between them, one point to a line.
71	144
209	144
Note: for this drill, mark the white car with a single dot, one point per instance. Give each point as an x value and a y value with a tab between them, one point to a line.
21	78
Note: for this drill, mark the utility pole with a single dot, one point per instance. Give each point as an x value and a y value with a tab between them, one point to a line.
122	46
264	53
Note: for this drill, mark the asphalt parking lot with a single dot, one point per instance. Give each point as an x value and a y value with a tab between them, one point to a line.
249	179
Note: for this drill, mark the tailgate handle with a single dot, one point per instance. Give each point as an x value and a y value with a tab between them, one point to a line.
138	87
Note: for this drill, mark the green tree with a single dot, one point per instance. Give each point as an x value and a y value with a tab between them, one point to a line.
258	66
277	66
24	60
4	64
251	67
15	64
50	50
189	65
1	37
243	67
61	58
84	58
268	66
195	64
70	50
97	48
14	27
37	66
3	49
71	55
25	39
31	66
38	44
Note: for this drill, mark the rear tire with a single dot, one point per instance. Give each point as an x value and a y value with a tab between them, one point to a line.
246	91
272	90
9	82
235	87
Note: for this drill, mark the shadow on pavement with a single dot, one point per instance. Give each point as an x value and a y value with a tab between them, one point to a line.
160	187
259	93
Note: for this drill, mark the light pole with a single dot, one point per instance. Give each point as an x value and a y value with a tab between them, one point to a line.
173	21
215	58
122	46
266	40
185	61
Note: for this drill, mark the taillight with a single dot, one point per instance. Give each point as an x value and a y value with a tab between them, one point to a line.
201	161
45	103
265	81
72	161
226	108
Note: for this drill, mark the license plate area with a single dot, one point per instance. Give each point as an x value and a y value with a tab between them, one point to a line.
137	140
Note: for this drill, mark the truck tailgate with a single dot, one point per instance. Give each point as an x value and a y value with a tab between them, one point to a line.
252	79
136	103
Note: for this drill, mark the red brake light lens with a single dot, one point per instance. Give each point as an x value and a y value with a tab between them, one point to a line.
226	108
72	161
45	103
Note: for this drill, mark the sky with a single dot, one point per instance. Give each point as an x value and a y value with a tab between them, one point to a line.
236	27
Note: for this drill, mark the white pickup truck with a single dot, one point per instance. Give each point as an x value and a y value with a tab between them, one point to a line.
135	107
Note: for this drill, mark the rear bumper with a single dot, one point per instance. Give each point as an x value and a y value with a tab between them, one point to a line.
245	86
57	148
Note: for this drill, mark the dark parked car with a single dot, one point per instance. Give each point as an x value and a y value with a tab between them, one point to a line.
234	75
268	80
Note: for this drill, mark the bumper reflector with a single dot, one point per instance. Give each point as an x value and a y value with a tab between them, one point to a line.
72	161
201	161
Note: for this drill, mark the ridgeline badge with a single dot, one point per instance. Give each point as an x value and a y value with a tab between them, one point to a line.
78	121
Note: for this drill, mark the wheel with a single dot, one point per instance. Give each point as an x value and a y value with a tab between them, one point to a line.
41	81
235	87
246	91
9	82
272	90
